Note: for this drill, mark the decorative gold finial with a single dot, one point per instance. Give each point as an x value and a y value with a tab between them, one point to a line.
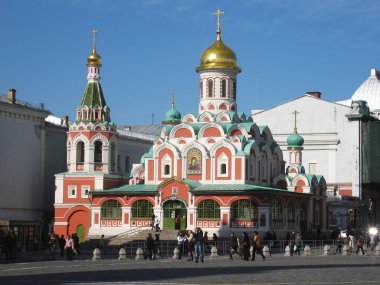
173	95
218	31
94	31
295	120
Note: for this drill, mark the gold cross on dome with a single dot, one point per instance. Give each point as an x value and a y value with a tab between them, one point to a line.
94	31
295	120
218	13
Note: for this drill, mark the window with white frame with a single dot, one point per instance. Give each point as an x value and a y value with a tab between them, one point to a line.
85	190
223	165
165	166
72	191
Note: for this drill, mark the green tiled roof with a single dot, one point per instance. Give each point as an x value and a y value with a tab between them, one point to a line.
93	96
136	189
233	187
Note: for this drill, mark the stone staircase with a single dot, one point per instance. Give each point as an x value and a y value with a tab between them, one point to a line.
140	236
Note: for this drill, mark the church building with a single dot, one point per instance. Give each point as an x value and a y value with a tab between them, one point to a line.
216	169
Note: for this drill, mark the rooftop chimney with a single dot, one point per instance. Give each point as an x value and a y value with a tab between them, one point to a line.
315	94
12	96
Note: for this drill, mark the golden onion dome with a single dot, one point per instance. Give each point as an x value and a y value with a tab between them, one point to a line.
218	56
94	58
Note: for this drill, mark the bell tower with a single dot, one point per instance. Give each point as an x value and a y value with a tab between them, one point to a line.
218	71
91	143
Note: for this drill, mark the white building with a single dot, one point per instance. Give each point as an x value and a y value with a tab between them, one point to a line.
339	144
32	151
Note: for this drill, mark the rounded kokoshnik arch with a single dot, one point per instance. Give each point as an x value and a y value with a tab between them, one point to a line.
111	209
142	209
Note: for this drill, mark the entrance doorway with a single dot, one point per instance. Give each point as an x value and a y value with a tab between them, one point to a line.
175	214
80	233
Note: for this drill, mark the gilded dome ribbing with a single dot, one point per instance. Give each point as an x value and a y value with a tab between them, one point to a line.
94	58
218	56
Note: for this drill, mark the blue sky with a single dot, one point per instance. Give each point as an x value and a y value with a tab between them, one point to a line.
151	47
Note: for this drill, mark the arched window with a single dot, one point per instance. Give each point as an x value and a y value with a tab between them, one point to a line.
167	169
80	152
98	152
210	88
234	89
223	168
111	209
208	209
142	209
277	214
201	89
224	88
245	210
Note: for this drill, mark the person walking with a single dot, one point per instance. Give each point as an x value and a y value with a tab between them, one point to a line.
351	241
234	245
359	245
62	243
205	241
152	221
101	244
69	246
297	243
256	243
198	246
149	246
52	244
156	250
76	243
339	244
191	240
246	245
180	244
374	241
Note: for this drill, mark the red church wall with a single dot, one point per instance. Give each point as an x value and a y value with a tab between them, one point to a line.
75	216
299	187
179	168
150	170
185	133
212	132
78	182
167	190
89	135
197	177
208	169
126	218
238	168
110	183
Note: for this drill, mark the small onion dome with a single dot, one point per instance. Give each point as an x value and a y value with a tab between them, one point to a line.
295	141
94	59
218	56
172	116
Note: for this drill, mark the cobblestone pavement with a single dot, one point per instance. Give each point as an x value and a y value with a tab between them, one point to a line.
277	269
